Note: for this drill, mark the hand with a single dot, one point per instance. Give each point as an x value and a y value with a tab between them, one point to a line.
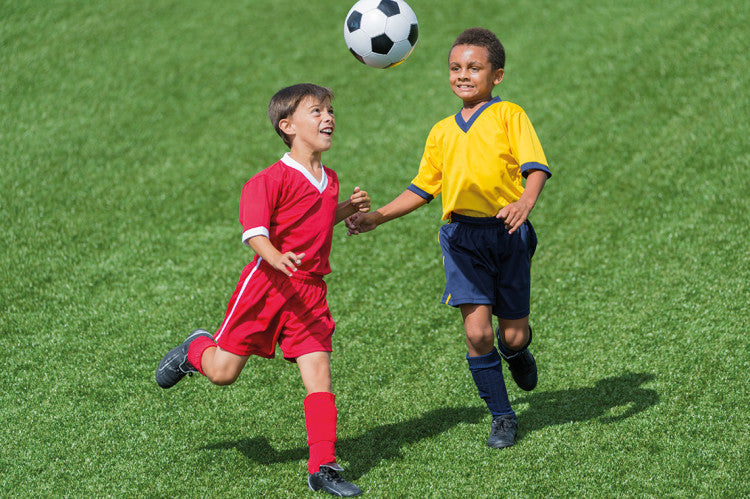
514	215
287	262
361	222
360	201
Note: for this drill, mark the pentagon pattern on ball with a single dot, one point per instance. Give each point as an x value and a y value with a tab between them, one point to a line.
381	33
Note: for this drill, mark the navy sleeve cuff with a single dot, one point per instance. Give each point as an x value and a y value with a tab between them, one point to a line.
526	168
419	192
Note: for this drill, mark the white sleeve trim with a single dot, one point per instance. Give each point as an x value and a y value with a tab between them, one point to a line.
255	231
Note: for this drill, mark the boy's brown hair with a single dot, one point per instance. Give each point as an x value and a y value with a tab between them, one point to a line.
482	37
285	102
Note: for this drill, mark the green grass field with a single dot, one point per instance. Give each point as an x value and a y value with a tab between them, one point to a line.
127	129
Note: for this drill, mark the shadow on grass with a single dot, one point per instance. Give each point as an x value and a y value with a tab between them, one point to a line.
610	400
365	451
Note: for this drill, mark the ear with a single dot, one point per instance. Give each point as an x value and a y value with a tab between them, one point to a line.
287	126
498	76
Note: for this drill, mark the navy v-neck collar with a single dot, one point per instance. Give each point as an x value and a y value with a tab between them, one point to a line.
465	125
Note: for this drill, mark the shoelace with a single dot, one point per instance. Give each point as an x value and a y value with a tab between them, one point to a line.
499	424
331	474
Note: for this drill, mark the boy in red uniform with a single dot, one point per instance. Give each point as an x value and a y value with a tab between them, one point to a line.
287	212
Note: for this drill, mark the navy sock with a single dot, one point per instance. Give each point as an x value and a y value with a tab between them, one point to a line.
487	371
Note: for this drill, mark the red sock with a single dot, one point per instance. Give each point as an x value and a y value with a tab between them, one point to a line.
320	419
196	349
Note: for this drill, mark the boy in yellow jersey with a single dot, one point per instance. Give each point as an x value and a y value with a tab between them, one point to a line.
477	160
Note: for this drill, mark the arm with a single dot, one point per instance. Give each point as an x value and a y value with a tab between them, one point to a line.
515	214
358	202
286	262
406	202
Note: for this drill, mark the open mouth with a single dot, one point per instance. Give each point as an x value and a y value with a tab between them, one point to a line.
327	131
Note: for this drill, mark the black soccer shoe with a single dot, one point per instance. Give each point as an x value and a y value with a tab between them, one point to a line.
523	368
503	431
174	366
521	364
329	480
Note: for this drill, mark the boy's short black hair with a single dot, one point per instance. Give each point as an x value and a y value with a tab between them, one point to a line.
285	102
482	37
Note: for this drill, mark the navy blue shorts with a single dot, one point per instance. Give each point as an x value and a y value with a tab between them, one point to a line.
484	265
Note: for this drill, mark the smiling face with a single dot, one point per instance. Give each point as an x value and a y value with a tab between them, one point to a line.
471	75
311	125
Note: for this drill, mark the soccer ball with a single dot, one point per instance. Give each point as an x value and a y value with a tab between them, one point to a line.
381	33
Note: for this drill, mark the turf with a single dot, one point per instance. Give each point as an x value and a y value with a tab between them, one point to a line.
127	130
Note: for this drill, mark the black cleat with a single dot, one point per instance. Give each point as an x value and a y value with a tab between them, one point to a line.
174	366
522	366
329	480
503	431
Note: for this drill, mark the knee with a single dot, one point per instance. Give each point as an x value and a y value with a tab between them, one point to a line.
480	338
222	377
515	337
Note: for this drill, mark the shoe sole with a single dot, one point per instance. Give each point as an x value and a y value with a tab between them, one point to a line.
332	491
501	446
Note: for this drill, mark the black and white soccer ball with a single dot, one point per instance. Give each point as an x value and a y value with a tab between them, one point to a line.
381	33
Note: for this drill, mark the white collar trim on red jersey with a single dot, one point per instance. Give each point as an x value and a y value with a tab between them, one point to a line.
321	186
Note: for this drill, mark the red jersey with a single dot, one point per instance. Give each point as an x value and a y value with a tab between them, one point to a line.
285	203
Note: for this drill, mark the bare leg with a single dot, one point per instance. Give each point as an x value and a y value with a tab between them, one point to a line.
315	370
514	332
480	338
222	367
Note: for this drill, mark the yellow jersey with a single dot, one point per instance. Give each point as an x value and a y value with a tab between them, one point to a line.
479	165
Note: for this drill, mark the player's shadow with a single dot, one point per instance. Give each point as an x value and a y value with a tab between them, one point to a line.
610	400
384	443
365	451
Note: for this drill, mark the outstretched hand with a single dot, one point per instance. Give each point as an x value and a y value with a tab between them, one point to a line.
406	202
360	222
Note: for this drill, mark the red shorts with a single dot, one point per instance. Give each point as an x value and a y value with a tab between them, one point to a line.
268	307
